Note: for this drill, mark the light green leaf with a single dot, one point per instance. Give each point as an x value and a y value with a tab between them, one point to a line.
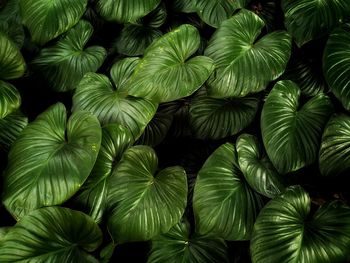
3	232
92	195
50	160
218	118
306	20
257	168
166	71
336	64
65	63
334	158
12	64
143	201
50	235
179	245
291	131
123	11
110	103
10	99
245	64
224	204
287	231
47	20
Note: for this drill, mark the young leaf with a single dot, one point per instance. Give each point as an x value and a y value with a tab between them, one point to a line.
50	160
292	132
48	19
286	231
52	234
96	93
166	71
10	99
245	64
306	20
178	245
224	204
144	202
65	63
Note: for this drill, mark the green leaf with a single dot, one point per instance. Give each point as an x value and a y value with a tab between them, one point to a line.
213	12
47	20
287	231
123	11
65	63
96	93
10	99
257	168
92	195
3	232
143	201
185	6
51	234
245	64
292	132
334	156
336	64
50	160
218	118
166	71
306	20
134	39
178	245
12	64
156	18
224	204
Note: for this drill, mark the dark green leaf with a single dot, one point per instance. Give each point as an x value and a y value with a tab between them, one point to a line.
224	204
287	231
51	235
144	202
10	99
50	160
65	63
292	132
245	64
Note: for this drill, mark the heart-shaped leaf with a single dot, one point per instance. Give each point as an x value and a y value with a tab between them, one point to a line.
257	168
10	99
292	132
144	202
179	245
48	19
96	93
334	156
50	160
337	64
12	64
306	20
124	11
65	63
287	231
51	234
224	204
218	118
92	195
166	71
244	64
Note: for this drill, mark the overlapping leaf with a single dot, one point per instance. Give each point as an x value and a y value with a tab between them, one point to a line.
143	201
224	204
110	103
166	71
10	99
178	245
337	64
287	231
48	19
292	132
65	63
245	64
306	20
51	234
50	160
334	158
